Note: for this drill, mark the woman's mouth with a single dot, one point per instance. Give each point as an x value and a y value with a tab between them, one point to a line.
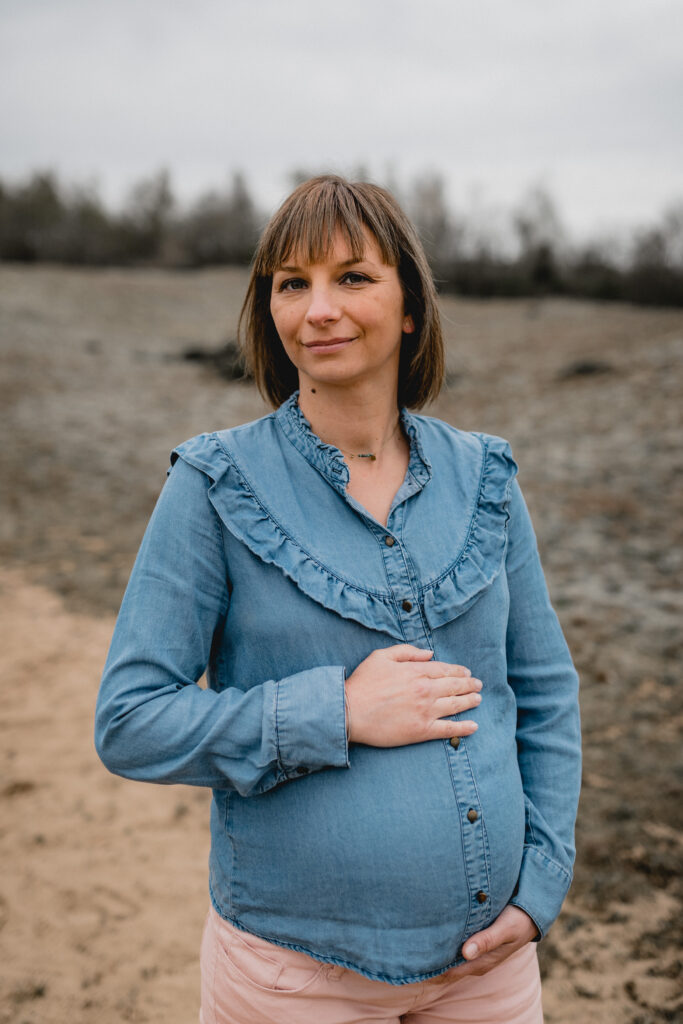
325	345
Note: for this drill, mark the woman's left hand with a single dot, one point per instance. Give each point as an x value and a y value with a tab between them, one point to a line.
511	930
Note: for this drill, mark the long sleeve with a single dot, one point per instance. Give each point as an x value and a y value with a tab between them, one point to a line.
153	722
545	683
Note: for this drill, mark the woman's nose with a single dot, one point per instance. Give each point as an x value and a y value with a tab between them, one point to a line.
322	307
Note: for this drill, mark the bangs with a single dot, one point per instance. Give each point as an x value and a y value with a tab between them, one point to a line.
306	225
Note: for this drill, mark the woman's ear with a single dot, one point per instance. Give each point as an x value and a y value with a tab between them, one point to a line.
408	324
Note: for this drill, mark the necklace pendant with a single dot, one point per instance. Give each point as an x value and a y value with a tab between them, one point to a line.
367	455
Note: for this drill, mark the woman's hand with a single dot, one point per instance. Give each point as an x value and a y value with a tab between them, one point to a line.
511	930
397	695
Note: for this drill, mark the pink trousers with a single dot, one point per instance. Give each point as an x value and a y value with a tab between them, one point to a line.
246	980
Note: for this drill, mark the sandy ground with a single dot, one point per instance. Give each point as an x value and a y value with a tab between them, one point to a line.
103	887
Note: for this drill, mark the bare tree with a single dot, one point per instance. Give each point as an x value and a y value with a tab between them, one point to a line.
146	219
430	213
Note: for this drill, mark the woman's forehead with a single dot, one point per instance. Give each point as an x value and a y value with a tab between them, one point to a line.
337	249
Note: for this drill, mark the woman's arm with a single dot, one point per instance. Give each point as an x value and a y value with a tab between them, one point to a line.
541	673
153	722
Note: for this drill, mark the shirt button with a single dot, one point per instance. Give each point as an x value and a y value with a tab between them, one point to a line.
389	541
472	814
455	742
482	897
407	605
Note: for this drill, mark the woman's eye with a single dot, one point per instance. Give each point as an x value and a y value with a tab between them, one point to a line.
292	284
353	277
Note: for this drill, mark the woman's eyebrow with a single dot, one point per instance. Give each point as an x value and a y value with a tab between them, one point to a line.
344	263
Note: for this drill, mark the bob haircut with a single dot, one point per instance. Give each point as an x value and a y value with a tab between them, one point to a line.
304	227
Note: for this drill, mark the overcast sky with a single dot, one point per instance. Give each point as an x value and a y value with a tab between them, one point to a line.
496	95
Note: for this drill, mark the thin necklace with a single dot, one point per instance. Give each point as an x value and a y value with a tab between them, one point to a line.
370	455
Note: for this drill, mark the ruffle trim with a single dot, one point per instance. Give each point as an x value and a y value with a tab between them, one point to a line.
481	558
327	456
248	518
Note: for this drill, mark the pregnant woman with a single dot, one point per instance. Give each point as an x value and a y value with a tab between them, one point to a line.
391	727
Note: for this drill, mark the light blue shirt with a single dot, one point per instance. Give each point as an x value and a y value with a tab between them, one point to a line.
257	567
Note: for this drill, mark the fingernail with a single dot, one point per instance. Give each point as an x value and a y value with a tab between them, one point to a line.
471	950
477	698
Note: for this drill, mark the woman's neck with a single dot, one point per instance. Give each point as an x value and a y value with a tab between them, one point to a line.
359	421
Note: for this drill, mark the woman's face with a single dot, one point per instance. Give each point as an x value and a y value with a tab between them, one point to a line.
341	321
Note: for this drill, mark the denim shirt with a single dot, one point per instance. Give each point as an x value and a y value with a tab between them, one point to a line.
259	568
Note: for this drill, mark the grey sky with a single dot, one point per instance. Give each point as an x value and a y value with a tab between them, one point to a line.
584	96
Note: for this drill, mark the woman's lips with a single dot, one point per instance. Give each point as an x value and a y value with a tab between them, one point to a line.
327	344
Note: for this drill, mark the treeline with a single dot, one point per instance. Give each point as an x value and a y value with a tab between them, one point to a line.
41	219
483	251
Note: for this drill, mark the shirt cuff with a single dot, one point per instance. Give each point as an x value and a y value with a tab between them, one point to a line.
541	888
310	721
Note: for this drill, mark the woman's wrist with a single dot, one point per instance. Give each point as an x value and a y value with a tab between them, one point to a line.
347	713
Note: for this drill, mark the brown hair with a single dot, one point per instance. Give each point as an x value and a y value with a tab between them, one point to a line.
305	225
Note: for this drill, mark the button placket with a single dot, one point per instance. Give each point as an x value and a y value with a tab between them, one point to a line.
401	583
477	867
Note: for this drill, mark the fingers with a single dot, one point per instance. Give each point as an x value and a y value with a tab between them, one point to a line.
406	652
482	965
483	942
450	686
455	704
436	669
512	927
447	729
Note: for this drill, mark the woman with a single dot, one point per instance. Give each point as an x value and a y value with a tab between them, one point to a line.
391	731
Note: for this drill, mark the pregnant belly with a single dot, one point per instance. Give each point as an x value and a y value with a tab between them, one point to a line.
378	845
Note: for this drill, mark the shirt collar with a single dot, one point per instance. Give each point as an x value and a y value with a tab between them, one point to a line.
329	461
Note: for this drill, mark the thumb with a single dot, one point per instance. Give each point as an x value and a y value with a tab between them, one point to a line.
483	942
406	652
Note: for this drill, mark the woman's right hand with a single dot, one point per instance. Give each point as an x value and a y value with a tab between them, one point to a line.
398	695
